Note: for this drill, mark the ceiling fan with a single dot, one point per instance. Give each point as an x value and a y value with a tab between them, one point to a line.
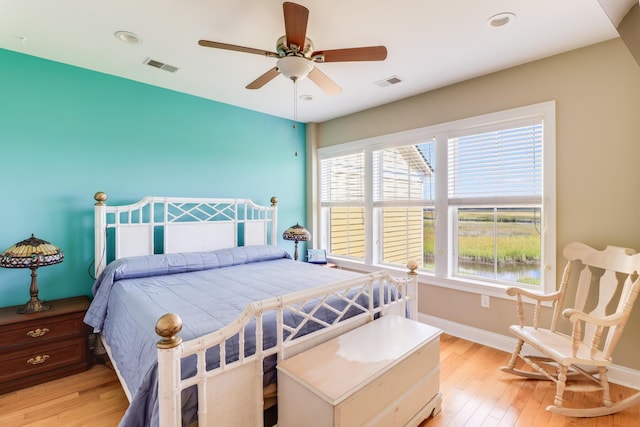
296	55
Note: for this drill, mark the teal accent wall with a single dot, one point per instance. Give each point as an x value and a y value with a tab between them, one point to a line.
67	132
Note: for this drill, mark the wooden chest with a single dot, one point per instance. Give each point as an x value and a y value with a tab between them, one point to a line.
42	346
385	373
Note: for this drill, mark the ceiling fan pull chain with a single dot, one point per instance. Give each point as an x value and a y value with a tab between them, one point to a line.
295	107
295	102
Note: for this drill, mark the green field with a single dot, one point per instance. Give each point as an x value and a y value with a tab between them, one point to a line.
511	239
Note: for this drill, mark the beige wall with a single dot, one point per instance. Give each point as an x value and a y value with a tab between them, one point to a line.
597	94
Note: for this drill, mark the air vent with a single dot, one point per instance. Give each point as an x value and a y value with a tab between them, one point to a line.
389	81
161	65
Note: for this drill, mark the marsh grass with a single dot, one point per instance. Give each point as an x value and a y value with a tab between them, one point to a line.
515	233
516	242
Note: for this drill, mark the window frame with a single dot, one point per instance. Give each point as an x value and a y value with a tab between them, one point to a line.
444	267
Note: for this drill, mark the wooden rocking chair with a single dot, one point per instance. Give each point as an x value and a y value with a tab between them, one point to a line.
586	353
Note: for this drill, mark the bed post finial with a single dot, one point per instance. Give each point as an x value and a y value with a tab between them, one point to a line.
274	201
412	265
168	327
100	197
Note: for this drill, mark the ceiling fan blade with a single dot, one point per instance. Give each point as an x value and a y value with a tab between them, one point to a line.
370	53
295	24
226	46
264	79
324	82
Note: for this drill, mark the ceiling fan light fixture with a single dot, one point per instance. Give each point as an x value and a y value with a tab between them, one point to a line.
294	67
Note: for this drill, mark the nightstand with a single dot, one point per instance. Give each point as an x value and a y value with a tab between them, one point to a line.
326	264
43	346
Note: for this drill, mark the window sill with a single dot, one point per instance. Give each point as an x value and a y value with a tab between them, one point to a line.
465	285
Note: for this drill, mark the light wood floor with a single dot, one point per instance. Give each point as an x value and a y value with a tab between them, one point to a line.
475	393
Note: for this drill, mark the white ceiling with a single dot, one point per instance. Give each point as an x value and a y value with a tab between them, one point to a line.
431	43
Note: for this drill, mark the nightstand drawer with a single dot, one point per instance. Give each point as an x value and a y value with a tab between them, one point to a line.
29	362
38	330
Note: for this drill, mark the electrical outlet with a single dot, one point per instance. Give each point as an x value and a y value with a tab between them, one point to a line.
484	301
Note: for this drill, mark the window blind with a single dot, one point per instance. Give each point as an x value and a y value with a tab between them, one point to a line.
403	173
342	178
504	164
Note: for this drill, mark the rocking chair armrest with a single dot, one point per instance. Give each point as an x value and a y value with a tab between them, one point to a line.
539	299
573	315
513	291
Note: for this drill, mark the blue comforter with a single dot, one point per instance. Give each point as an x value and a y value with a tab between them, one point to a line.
207	290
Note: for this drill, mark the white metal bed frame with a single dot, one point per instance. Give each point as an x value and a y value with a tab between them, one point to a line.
232	394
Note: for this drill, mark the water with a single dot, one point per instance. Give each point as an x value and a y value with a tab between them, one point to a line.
513	272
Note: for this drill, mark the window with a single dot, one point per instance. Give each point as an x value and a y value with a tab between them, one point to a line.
342	195
472	201
495	195
403	194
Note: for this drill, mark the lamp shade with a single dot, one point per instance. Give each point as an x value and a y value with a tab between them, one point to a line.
296	233
32	253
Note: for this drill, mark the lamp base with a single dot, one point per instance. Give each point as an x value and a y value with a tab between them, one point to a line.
34	306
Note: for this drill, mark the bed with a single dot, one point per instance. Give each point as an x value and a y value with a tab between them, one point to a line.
196	304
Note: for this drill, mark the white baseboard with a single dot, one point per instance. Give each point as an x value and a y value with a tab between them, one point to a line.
617	374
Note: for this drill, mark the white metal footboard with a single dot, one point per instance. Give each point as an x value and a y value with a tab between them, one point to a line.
231	394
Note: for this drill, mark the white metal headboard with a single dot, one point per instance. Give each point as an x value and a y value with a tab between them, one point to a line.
179	224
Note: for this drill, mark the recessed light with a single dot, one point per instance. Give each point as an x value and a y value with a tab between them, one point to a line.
501	19
127	37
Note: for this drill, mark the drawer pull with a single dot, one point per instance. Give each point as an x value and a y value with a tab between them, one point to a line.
38	332
38	359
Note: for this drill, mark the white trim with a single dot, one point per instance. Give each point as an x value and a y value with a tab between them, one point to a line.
617	374
444	236
456	127
494	290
